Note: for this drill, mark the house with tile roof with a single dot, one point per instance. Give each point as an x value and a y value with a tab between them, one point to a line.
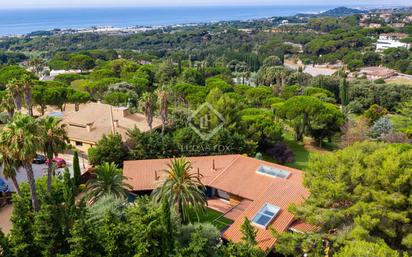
87	123
240	187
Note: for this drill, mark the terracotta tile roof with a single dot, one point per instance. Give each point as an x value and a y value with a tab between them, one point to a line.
235	174
241	178
378	71
301	226
97	115
280	194
141	173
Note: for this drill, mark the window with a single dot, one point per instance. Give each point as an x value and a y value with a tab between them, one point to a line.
79	144
223	195
274	172
265	215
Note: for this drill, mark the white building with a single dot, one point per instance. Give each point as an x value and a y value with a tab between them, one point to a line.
390	40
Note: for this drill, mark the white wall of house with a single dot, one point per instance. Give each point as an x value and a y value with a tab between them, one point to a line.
387	42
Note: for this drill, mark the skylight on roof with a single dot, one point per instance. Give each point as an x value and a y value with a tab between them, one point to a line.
274	172
265	215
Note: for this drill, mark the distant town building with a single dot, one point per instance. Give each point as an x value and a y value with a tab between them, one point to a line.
390	40
249	31
374	25
398	25
144	62
385	16
408	18
54	73
299	47
373	73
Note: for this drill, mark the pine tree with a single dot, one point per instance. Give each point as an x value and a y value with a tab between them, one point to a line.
249	233
76	170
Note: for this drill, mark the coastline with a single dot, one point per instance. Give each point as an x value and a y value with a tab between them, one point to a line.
24	22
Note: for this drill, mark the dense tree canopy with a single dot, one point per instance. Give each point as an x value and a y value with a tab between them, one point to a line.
360	194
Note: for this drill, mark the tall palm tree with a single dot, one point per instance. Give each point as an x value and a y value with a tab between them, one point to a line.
10	168
22	139
26	86
109	180
15	91
148	104
162	96
182	189
54	141
7	104
276	74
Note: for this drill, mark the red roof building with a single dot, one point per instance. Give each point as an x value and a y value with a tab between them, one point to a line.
262	190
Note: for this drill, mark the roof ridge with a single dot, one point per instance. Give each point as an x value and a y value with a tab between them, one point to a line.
230	164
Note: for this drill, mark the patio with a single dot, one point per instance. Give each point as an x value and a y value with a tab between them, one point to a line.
231	212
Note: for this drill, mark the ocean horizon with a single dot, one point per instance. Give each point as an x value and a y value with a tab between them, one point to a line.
23	21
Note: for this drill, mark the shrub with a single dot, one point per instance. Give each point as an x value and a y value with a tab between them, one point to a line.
381	127
379	81
281	153
354	107
375	112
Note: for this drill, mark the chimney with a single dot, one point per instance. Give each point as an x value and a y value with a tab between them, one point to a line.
198	172
156	176
89	127
122	111
213	165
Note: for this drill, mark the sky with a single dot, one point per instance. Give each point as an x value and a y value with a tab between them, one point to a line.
7	4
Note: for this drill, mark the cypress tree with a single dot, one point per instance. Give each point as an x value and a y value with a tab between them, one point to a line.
21	235
343	91
47	232
76	170
168	239
83	241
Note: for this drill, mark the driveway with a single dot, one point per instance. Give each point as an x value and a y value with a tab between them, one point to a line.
5	214
39	171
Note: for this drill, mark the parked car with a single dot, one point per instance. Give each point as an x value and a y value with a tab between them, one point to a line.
39	159
60	162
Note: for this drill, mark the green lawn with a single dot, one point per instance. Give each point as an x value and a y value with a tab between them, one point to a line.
211	216
301	153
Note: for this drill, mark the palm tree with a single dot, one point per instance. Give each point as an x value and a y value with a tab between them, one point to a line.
10	168
148	102
162	96
182	189
15	91
55	140
21	137
26	86
109	180
7	104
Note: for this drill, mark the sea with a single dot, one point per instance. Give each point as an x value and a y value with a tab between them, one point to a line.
23	21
